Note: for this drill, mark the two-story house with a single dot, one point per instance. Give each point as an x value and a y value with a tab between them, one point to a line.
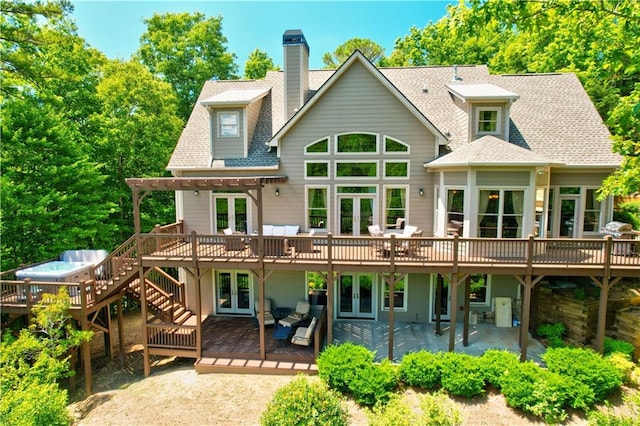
477	162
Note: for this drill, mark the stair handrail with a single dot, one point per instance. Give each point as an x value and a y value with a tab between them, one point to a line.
168	296
171	283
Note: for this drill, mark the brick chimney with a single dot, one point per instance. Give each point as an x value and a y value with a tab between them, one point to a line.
296	71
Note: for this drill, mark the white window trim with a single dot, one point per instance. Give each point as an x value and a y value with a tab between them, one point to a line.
406	201
384	146
498	111
328	138
306	207
500	214
237	124
405	299
384	169
327	162
377	151
583	207
335	170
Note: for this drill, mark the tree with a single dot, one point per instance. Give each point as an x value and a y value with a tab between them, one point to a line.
624	122
32	364
258	64
52	193
369	48
137	128
186	50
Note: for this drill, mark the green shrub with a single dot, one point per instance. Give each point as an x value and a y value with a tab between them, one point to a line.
35	404
612	346
305	402
544	393
420	369
395	413
461	374
338	365
585	366
374	384
554	334
624	365
607	417
438	409
496	363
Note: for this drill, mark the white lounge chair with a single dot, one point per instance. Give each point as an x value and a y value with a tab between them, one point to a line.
302	311
304	335
268	316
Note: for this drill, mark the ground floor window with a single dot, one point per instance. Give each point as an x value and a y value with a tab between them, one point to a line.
316	288
399	295
479	293
395	205
591	212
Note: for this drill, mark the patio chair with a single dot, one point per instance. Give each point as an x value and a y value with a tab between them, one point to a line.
410	247
232	241
399	224
268	316
302	311
304	335
377	245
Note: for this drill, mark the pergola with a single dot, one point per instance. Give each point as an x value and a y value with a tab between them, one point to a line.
142	187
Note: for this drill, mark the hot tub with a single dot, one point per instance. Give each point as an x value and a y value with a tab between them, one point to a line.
57	271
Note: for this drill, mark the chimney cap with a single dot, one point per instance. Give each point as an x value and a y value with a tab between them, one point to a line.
293	37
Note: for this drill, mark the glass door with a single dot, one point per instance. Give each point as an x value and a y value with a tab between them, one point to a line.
568	217
233	292
444	300
356	296
356	214
230	211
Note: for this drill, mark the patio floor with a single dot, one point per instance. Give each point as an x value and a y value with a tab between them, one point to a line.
410	337
238	337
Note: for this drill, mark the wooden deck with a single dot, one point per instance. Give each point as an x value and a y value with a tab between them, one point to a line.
438	255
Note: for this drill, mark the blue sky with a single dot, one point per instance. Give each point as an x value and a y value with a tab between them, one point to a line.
114	27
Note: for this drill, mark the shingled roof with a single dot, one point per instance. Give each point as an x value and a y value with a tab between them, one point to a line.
553	117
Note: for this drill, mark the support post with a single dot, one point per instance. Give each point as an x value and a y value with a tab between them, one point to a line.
121	332
524	320
439	286
86	346
467	296
453	289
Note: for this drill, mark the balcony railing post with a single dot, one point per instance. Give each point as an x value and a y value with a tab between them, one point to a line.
529	254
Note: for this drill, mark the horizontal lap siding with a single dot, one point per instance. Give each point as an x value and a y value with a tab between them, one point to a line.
497	178
577	179
358	102
228	147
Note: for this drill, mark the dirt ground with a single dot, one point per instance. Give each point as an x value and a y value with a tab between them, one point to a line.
175	394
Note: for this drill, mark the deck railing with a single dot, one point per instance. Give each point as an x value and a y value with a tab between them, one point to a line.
399	249
168	336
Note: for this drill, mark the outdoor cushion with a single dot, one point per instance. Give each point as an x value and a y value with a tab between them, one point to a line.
409	230
302	310
291	229
267	229
279	230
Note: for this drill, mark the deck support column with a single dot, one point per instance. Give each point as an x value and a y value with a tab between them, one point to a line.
438	304
197	275
465	326
86	346
604	295
121	332
108	340
330	288
524	321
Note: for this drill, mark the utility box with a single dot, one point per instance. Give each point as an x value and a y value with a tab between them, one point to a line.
502	307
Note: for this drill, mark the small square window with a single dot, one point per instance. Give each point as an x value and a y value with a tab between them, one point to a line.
488	121
228	125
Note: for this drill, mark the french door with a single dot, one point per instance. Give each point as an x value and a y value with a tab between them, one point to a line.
234	292
357	212
230	211
356	296
444	301
568	217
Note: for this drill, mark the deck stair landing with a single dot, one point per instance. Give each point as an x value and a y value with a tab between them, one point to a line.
253	366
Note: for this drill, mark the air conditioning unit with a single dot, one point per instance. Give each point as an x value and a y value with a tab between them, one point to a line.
502	308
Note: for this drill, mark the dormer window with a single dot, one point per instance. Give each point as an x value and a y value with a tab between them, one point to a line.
488	121
228	124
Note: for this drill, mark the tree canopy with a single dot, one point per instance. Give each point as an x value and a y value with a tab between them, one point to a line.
369	48
258	64
186	50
